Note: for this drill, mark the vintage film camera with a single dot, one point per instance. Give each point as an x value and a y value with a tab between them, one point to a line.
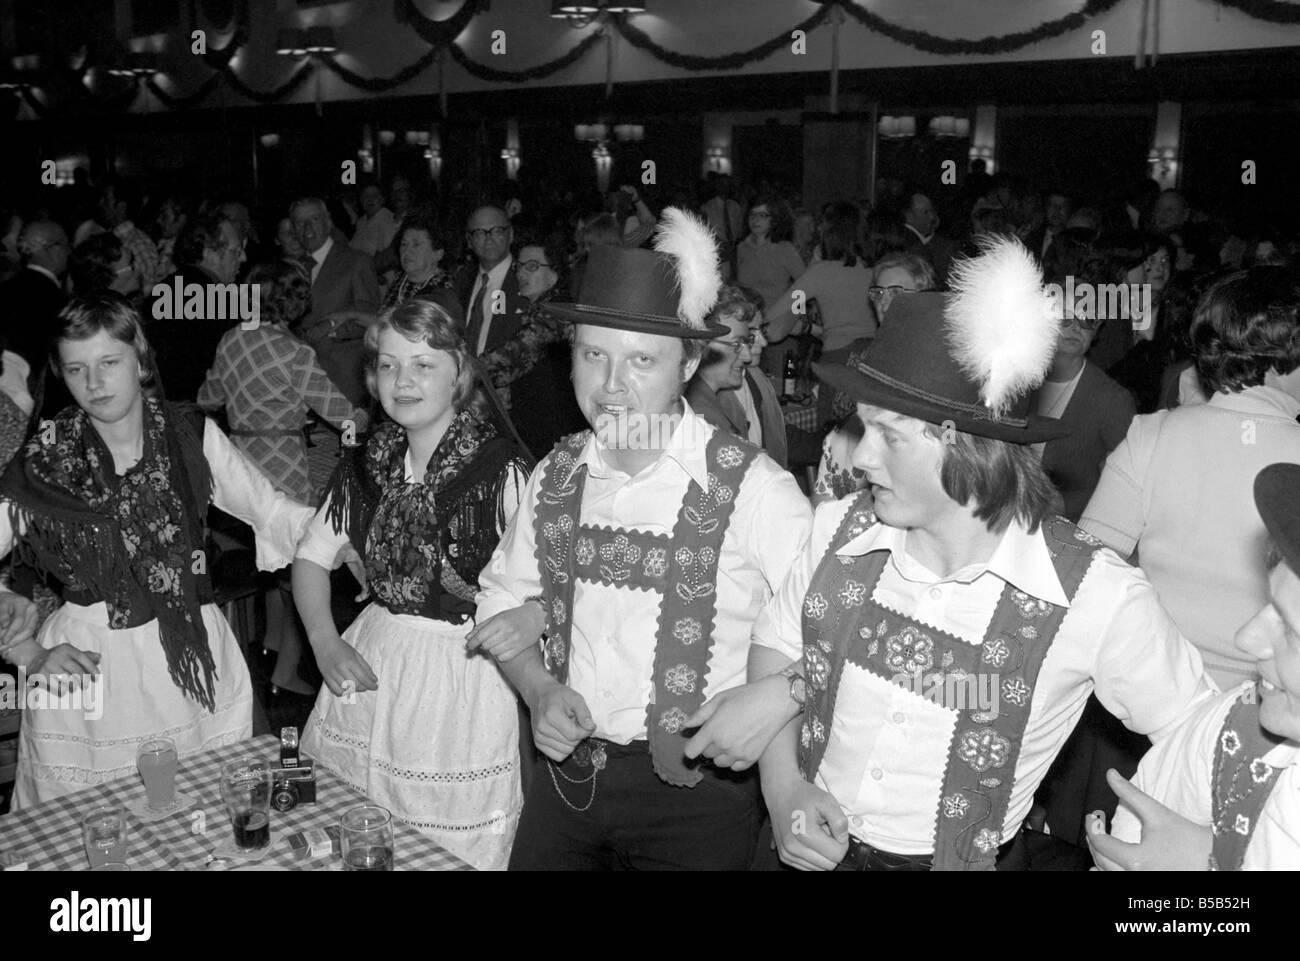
294	781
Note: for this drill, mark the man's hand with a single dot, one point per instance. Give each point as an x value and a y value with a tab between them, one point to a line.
348	555
17	620
509	633
810	829
1170	842
345	671
736	726
560	720
57	663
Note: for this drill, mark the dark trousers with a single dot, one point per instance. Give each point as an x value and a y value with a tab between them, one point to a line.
635	821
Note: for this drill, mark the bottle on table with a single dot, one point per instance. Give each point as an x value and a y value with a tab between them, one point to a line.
790	379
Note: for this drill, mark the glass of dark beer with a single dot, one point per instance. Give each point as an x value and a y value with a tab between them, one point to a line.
367	839
246	791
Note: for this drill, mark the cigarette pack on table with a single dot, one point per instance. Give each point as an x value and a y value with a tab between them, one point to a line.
316	843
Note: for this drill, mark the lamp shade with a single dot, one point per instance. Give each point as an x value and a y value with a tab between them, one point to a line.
574	8
321	40
290	42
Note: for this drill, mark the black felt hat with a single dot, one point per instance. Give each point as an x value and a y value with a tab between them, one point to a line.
970	358
667	291
1277	497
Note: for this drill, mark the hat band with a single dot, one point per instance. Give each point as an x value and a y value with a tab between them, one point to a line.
630	315
974	411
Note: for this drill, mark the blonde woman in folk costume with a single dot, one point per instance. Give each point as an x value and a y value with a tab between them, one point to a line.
408	717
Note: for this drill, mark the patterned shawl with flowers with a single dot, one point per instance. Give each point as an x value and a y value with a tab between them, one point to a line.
131	541
424	543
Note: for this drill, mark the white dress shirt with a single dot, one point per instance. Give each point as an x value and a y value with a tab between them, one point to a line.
319	256
1179	773
496	279
888	747
374	234
614	629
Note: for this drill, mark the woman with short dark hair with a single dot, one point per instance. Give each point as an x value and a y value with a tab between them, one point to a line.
111	498
1177	490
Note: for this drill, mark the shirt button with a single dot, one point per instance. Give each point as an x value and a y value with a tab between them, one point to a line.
877	774
936	593
855	821
899	717
607	695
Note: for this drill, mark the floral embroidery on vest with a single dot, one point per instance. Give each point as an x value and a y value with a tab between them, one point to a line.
985	745
681	568
1242	781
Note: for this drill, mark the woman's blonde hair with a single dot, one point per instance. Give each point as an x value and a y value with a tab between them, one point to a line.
423	321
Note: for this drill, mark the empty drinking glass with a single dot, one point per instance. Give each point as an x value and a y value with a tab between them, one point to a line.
104	831
367	839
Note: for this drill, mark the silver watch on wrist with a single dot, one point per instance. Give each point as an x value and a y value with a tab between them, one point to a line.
798	685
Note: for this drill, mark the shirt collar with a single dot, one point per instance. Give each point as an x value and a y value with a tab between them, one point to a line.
924	238
1021	559
323	250
685	447
1258	400
497	275
47	272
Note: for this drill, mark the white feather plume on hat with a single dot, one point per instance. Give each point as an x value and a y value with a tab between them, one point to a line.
999	322
689	242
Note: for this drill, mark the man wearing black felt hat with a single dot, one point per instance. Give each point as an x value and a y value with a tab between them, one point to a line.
641	553
1223	791
945	630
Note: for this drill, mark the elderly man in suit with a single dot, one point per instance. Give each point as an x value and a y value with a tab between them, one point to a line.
343	280
489	289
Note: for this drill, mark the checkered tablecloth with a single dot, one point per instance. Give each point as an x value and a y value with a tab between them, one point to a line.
802	416
48	836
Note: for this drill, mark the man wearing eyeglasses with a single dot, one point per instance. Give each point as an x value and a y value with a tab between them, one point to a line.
722	369
489	289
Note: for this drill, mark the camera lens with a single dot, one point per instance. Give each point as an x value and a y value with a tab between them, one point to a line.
285	796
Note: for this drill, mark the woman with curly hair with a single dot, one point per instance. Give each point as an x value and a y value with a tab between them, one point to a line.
111	498
407	716
1177	490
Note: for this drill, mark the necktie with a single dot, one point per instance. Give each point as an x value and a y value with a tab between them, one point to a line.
476	313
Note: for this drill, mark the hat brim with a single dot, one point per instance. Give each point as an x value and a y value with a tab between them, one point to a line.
640	323
866	389
1277	498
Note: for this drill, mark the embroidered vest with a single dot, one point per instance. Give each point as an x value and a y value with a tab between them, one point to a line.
1242	781
842	622
682	568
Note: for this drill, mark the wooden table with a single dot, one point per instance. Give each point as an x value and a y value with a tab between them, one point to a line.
48	836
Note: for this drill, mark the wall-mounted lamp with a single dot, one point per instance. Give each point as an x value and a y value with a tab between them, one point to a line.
629	132
387	138
950	127
511	156
269	140
896	128
290	42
